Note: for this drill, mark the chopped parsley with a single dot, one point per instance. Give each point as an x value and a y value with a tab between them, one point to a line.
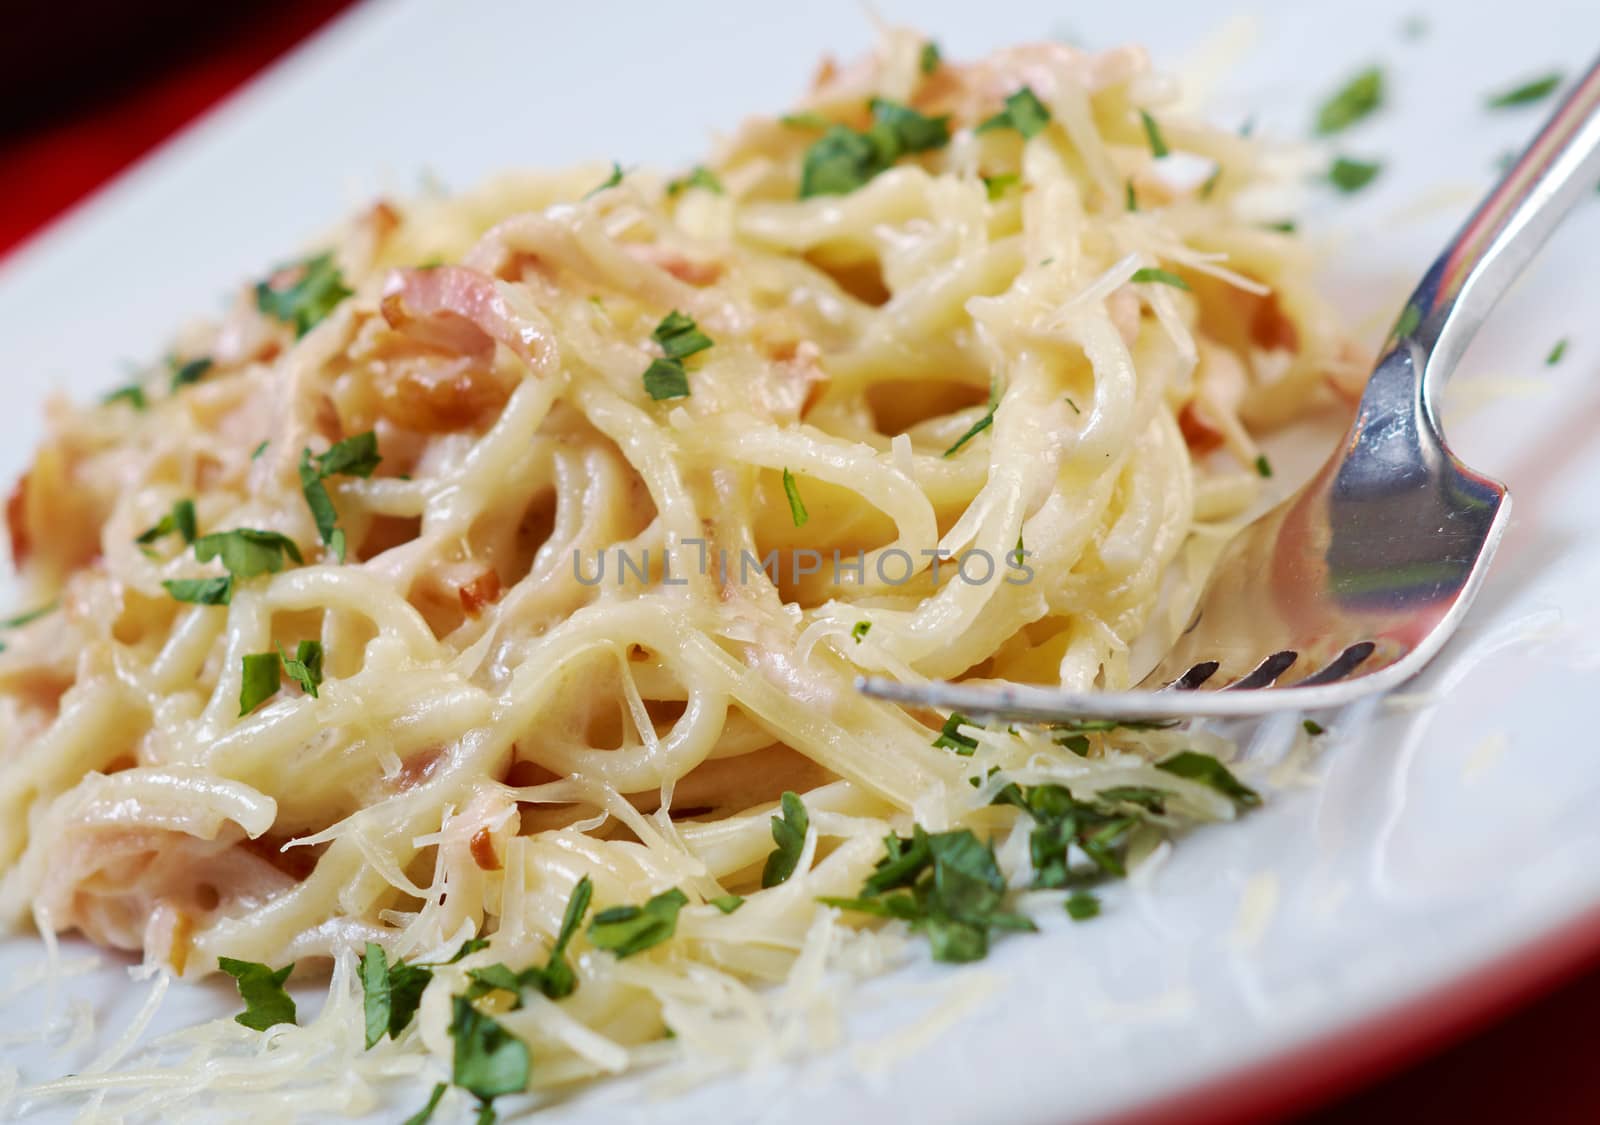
1263	466
1356	99
425	1114
488	1060
259	450
259	680
1081	906
30	616
610	181
1284	226
842	159
556	978
132	394
950	890
201	591
666	378
789	833
391	994
699	177
1150	274
1152	134
996	186
1410	317
305	667
951	738
860	630
246	552
797	506
1101	829
929	60
353	457
1351	176
191	372
1556	353
1527	93
626	930
180	520
982	423
1132	199
804	120
307	301
728	903
266	1004
1207	770
1313	728
1024	112
1211	182
679	337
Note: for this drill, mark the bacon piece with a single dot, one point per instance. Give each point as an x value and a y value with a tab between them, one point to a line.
481	591
482	849
17	522
459	310
1198	432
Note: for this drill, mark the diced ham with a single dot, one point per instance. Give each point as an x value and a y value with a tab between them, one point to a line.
460	310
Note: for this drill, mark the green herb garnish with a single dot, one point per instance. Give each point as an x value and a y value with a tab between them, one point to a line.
951	738
425	1114
201	591
391	994
996	186
1556	353
1312	727
259	680
949	889
626	930
190	372
556	978
797	506
1150	274
1024	112
727	903
982	423
610	181
1527	93
1208	771
1351	176
1152	134
247	552
929	60
31	615
842	159
266	1004
789	833
488	1060
699	177
860	630
305	303
1081	906
1356	99
679	338
132	394
353	457
1263	466
666	378
305	667
180	519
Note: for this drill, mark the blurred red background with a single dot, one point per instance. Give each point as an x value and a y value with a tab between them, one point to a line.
89	86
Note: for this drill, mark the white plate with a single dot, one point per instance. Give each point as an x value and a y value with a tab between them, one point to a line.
1440	840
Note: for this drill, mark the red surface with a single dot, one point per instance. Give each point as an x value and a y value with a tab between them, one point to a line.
153	75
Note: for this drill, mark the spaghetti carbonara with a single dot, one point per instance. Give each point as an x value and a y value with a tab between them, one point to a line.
476	607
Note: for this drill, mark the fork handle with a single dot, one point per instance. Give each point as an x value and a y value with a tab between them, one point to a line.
1559	168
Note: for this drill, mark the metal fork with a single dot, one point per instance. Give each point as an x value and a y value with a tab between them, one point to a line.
1352	584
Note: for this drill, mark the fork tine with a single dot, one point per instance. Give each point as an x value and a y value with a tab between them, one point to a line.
1342	665
1266	673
